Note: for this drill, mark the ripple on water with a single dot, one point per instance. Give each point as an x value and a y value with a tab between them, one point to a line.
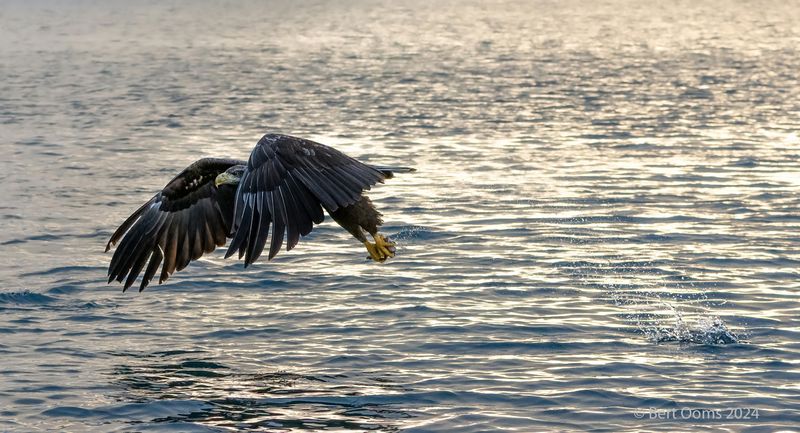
181	386
25	297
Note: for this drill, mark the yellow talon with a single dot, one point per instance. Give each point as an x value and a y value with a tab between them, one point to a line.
384	246
374	252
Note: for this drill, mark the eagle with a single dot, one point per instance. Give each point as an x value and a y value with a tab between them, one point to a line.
285	184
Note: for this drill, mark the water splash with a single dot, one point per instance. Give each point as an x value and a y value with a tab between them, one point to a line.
664	309
710	330
660	319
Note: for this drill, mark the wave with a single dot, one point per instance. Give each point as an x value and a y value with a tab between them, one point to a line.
25	297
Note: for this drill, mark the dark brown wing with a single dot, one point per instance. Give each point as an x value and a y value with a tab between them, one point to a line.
188	218
286	181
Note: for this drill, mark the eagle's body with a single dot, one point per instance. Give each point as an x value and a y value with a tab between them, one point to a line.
285	184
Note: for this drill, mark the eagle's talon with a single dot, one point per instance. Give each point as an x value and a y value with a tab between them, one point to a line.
385	247
375	252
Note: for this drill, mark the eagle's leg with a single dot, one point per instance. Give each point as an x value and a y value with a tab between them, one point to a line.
362	216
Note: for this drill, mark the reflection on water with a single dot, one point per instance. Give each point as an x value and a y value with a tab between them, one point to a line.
252	401
604	217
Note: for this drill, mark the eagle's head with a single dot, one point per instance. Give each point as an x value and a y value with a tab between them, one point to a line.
231	176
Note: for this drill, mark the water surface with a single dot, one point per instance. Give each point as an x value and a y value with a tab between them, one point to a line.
603	226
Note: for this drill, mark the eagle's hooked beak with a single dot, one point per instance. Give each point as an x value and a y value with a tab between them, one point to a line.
226	178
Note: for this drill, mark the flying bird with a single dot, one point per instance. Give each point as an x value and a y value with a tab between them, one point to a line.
286	183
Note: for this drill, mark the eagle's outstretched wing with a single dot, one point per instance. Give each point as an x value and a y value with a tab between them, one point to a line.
286	181
186	219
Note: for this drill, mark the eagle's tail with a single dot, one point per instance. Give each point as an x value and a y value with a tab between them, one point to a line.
390	170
